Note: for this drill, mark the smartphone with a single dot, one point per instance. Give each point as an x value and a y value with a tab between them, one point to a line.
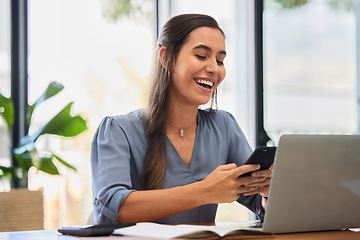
264	156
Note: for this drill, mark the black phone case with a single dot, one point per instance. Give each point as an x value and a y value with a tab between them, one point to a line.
262	155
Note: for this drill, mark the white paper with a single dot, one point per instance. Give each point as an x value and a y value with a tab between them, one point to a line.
154	230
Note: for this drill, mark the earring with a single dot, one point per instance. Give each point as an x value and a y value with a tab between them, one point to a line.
169	75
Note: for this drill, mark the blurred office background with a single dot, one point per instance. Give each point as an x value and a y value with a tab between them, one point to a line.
304	63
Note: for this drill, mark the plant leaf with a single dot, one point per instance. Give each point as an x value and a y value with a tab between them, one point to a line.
63	124
6	171
53	89
28	157
66	164
47	166
7	110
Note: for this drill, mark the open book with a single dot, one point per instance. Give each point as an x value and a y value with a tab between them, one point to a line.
164	231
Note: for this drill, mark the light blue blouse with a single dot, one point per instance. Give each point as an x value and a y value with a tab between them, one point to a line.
117	157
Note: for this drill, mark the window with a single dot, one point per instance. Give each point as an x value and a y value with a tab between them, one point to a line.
311	67
101	52
4	78
5	47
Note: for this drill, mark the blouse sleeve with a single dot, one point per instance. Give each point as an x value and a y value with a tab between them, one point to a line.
110	166
239	152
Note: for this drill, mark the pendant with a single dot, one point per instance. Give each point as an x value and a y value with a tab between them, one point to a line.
181	132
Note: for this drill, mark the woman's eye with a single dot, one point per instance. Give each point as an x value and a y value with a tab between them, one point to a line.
220	62
200	56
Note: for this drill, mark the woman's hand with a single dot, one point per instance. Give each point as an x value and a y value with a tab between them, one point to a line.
224	185
262	186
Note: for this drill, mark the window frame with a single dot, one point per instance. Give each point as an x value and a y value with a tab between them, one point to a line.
19	71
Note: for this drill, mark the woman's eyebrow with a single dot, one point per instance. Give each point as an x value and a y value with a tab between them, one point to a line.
208	49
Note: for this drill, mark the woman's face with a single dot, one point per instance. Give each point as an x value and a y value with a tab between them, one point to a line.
199	67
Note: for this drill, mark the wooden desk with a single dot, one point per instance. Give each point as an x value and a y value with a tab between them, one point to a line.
54	235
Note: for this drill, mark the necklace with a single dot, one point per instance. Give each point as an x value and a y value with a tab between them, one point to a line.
181	130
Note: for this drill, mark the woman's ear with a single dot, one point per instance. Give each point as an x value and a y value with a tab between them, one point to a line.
162	53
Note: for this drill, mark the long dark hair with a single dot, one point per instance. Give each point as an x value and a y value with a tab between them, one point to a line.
173	36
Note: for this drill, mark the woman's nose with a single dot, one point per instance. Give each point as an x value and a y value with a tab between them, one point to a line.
212	67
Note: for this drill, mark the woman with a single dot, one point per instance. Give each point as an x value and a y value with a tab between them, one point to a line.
173	163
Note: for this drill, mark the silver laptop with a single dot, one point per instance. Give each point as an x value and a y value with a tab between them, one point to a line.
315	184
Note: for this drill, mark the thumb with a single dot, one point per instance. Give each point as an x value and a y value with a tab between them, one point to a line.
247	168
227	167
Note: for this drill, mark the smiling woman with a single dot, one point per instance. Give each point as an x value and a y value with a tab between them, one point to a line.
185	175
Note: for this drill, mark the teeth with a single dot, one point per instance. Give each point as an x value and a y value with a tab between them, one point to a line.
209	83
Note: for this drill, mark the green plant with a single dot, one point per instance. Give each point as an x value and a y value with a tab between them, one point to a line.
25	153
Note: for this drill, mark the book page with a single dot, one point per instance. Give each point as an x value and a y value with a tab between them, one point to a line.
154	230
164	231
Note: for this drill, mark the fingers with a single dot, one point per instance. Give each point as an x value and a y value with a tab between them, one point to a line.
263	173
242	169
248	190
246	168
259	182
227	167
261	185
264	191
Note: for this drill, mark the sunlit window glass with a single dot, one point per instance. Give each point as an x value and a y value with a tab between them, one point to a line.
5	154
101	52
310	66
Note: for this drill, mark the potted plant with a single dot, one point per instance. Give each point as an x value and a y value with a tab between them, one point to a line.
26	155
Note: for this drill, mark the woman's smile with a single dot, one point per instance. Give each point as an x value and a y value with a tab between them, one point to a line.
206	84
